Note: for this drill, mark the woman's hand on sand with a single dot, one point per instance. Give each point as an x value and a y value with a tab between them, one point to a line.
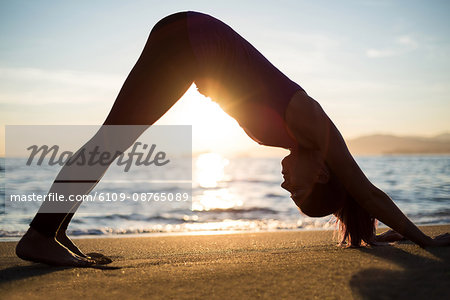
441	240
389	236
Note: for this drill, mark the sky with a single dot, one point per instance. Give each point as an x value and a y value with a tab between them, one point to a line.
374	66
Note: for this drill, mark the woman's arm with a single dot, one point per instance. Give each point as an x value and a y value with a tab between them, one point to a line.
375	201
389	237
313	129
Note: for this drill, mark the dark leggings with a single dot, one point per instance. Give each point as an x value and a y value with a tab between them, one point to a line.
162	74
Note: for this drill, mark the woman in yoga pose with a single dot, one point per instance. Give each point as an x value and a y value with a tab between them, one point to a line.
320	173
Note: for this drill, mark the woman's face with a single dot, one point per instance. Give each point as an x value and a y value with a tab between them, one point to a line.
301	170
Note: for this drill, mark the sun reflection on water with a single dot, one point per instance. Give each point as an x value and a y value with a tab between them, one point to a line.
211	178
210	169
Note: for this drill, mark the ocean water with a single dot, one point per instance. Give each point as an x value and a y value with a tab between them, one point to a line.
227	194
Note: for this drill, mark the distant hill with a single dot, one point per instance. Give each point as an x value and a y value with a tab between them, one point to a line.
391	144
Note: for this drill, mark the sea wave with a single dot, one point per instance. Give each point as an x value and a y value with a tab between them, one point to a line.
247	197
194	227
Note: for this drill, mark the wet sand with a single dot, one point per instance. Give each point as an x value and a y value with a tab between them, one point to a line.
291	265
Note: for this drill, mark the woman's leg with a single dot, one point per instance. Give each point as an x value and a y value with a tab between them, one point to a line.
162	74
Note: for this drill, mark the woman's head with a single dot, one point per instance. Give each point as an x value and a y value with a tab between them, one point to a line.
308	179
318	192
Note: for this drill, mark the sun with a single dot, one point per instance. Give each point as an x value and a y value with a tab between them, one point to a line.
213	130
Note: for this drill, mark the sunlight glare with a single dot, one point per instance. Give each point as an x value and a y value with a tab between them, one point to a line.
210	172
213	130
210	169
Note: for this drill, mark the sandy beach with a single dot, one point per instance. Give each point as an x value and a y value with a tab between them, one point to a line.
291	265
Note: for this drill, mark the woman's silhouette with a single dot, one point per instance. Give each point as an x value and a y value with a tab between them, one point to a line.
320	173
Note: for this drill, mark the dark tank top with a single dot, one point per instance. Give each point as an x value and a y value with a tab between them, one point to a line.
241	80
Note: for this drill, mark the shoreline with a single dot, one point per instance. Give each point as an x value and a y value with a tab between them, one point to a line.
177	233
204	232
256	265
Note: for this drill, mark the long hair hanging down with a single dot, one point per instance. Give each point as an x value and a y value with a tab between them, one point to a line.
355	224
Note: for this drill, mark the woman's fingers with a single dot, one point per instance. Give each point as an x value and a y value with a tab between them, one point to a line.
393	236
442	240
389	236
442	236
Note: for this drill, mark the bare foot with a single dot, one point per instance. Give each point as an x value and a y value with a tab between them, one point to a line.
37	247
99	258
63	239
